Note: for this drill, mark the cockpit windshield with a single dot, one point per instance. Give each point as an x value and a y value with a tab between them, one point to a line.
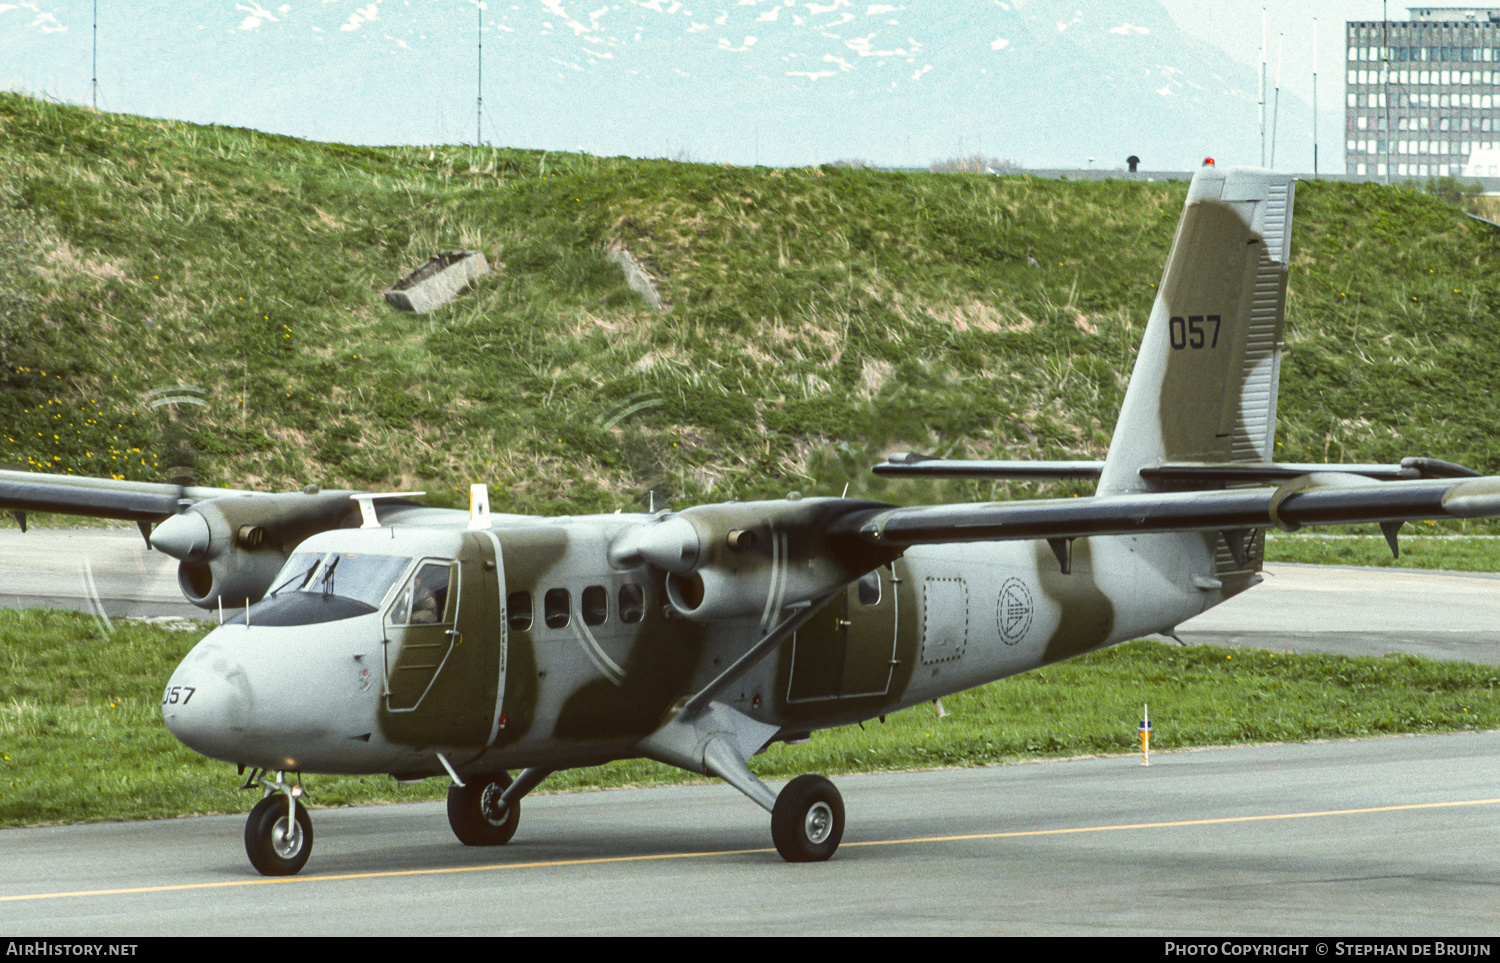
352	575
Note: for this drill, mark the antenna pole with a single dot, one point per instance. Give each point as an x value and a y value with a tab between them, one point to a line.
94	83
1385	84
479	103
1276	106
1315	96
1262	108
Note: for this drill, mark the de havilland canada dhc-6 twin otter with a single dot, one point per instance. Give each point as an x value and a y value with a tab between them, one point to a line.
383	636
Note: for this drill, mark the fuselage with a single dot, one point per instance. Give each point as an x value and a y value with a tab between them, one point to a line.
521	645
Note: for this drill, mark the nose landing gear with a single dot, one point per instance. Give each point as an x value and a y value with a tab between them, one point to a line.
278	832
477	813
486	809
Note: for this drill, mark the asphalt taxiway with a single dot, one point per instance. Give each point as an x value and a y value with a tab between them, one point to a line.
1395	837
1360	611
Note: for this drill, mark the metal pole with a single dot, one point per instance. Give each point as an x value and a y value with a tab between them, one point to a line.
94	83
1276	106
479	103
1262	109
1315	96
1385	84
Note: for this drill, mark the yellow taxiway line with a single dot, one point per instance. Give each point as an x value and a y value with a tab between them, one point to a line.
491	867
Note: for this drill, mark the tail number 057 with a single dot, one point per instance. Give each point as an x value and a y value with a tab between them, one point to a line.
1195	331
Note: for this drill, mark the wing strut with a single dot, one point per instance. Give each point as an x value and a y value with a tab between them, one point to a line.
753	654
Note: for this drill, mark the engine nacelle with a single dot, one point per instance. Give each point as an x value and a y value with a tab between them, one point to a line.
232	547
749	558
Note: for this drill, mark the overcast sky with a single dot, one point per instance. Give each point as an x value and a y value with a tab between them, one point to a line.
1235	26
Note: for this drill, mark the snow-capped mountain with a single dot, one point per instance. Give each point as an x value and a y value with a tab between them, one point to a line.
1041	82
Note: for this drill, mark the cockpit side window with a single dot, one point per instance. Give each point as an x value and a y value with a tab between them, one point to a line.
424	599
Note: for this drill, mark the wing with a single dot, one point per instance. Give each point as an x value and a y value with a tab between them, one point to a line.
140	502
231	542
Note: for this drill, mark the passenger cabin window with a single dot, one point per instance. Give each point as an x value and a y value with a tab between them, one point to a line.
424	599
518	610
869	589
555	608
632	603
595	605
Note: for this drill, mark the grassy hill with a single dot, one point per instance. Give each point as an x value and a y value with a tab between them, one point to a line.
818	318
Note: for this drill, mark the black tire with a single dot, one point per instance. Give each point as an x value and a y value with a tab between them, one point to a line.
271	848
807	824
474	811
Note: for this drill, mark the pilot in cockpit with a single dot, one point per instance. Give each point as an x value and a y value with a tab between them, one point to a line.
429	595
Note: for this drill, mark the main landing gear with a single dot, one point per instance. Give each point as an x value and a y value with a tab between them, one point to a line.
807	816
807	822
278	833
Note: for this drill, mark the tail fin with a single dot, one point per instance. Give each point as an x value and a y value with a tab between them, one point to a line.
1204	385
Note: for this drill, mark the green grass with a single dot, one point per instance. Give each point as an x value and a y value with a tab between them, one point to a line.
820	318
82	740
1454	553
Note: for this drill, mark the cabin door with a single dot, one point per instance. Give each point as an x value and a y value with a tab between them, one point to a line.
445	648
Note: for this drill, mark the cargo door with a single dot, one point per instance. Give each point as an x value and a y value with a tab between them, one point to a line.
848	649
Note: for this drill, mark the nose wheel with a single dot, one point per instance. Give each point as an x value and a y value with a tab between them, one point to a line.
278	836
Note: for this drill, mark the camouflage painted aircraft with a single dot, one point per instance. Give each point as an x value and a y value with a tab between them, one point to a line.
388	637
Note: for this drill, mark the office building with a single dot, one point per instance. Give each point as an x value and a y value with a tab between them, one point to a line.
1423	95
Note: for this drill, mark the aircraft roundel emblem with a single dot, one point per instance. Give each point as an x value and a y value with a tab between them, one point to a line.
1014	613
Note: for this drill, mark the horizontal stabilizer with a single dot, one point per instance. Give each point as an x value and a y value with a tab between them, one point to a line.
925	466
1190	474
1317	499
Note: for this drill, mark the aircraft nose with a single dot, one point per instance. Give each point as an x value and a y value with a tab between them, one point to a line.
207	703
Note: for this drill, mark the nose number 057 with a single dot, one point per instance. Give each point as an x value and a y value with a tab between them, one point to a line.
177	694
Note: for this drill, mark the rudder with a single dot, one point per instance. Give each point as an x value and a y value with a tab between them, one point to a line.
1204	386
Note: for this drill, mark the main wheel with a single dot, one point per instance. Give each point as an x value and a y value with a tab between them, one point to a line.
808	821
477	815
277	845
